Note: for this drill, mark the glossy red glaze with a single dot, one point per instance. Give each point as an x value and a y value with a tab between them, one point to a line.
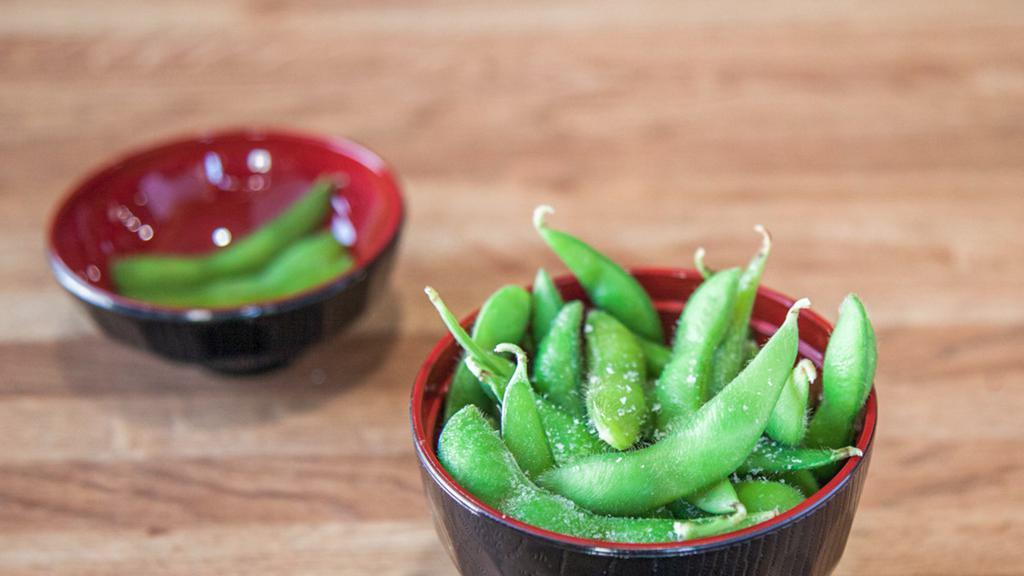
173	196
669	288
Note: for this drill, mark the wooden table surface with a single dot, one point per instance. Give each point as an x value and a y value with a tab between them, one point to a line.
881	142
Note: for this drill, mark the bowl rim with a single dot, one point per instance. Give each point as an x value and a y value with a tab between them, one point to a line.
140	309
428	458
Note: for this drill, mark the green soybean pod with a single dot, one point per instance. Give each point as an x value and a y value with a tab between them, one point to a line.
788	422
569	435
607	284
521	426
307	263
616	376
473	453
769	456
682	387
547	302
465	388
557	370
656	355
802	480
719	498
703	450
156	274
848	370
731	354
768	496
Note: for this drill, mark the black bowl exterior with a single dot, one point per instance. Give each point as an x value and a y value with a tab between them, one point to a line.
810	544
241	342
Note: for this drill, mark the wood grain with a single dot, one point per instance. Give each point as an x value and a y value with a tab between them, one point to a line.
882	143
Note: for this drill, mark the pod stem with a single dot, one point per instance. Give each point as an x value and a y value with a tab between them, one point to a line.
808	368
799	305
482	357
766	241
540	213
698	263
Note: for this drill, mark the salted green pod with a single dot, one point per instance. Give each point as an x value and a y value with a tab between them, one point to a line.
156	274
307	263
521	425
503	317
607	284
682	387
802	480
731	354
768	496
569	435
697	453
475	456
788	422
547	302
719	498
557	371
616	374
848	370
656	355
769	456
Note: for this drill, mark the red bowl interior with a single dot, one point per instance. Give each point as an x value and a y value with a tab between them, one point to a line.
178	196
669	288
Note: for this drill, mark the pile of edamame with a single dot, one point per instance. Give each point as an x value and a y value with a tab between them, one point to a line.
285	256
603	431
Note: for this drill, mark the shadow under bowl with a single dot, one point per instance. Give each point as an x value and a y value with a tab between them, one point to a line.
807	540
193	195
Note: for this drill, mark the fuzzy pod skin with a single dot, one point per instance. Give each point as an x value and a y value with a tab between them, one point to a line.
731	354
569	435
771	457
788	422
494	323
157	274
768	496
616	376
682	387
848	371
521	426
720	498
656	355
308	262
802	480
546	303
607	284
699	452
558	368
473	453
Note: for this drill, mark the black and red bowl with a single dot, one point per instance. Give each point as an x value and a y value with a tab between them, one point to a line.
807	540
194	194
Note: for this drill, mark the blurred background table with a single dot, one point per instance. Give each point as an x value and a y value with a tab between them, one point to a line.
882	143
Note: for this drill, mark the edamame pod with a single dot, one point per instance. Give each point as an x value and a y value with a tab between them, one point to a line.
521	426
656	355
158	274
704	449
466	388
558	368
681	389
788	422
771	457
731	353
720	498
546	303
802	480
848	370
616	374
308	262
609	286
569	436
768	496
478	460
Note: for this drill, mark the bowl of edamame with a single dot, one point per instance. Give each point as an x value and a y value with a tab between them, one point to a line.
236	250
645	421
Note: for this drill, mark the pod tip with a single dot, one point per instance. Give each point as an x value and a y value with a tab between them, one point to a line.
799	305
766	238
809	369
540	213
